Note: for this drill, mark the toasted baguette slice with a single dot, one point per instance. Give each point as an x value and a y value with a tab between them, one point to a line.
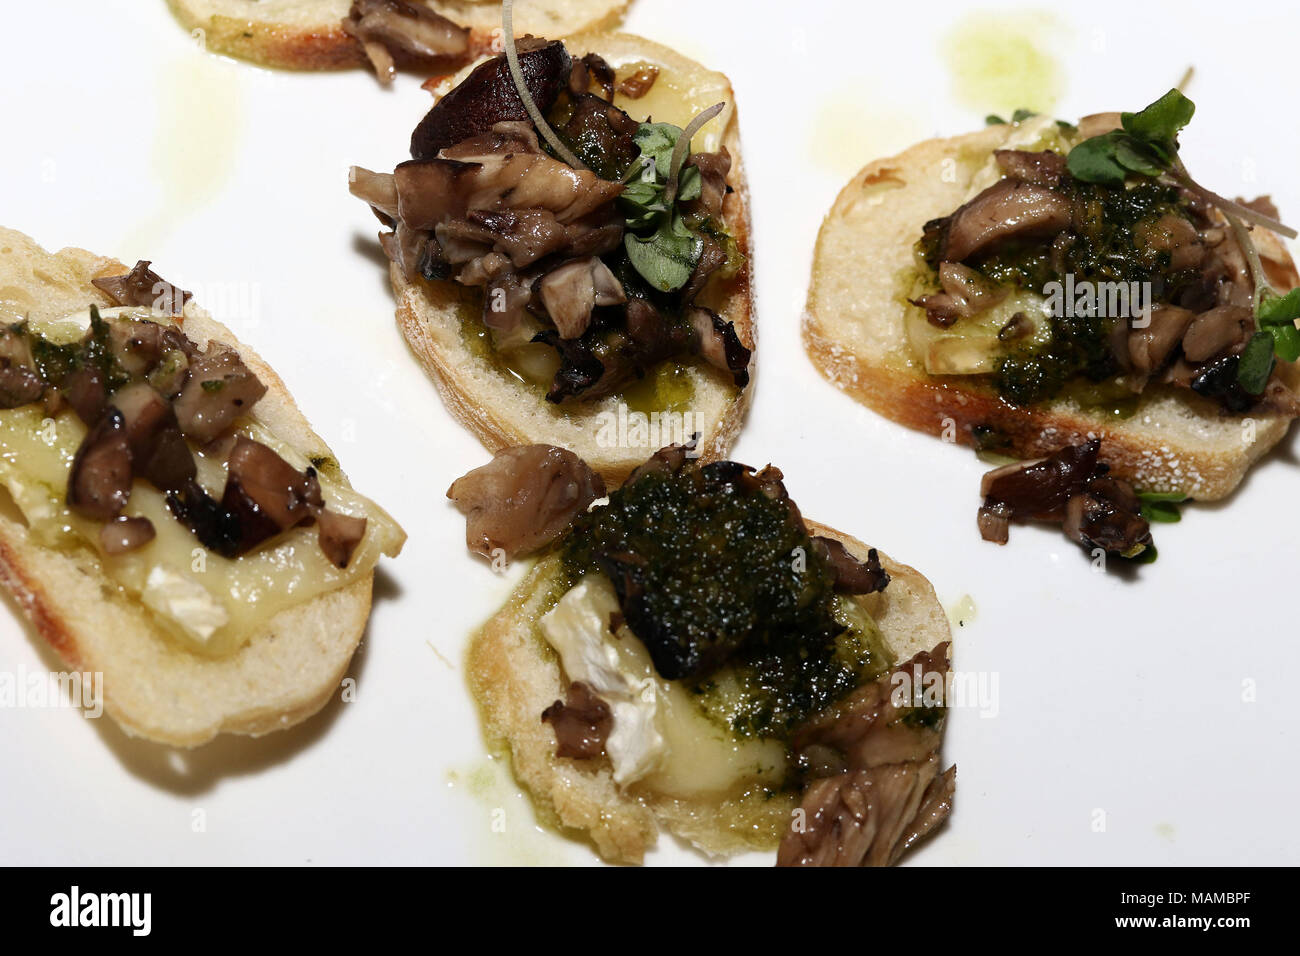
499	408
307	35
515	675
153	687
854	332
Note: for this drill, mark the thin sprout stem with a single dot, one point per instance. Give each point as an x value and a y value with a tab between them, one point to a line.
1184	178
517	74
1247	244
682	146
1187	79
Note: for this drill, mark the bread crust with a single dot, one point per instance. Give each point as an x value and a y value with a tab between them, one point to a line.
501	411
853	333
153	687
307	34
514	675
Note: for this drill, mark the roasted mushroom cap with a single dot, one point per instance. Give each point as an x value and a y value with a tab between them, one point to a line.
524	498
488	96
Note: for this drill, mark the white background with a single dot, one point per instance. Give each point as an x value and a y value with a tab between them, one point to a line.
1123	695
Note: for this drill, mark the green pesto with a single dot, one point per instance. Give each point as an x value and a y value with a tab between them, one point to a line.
720	582
55	362
1107	221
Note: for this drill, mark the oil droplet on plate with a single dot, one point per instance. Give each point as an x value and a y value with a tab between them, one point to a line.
195	142
1004	62
852	127
963	612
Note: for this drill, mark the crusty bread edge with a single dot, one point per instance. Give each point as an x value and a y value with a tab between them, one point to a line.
325	46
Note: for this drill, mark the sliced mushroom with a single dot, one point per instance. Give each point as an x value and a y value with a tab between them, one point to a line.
876	789
1041	487
1215	331
1173	239
1043	168
1106	515
965	293
389	29
668	460
19	385
639	83
377	189
1006	210
1149	347
572	291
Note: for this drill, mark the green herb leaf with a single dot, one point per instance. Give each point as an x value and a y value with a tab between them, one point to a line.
1094	161
993	119
1256	363
657	141
1276	309
1286	341
1147	555
1161	122
667	257
1020	115
1161	506
1130	154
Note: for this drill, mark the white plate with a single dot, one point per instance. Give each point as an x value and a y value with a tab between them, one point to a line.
1160	705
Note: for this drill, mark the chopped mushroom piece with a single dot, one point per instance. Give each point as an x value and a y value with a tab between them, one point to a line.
720	345
220	389
572	291
144	288
965	293
1149	347
524	498
99	483
582	723
263	486
159	453
851	575
123	534
339	535
19	385
1072	488
875	787
638	84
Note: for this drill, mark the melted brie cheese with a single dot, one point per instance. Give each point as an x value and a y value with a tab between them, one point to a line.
210	603
661	736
